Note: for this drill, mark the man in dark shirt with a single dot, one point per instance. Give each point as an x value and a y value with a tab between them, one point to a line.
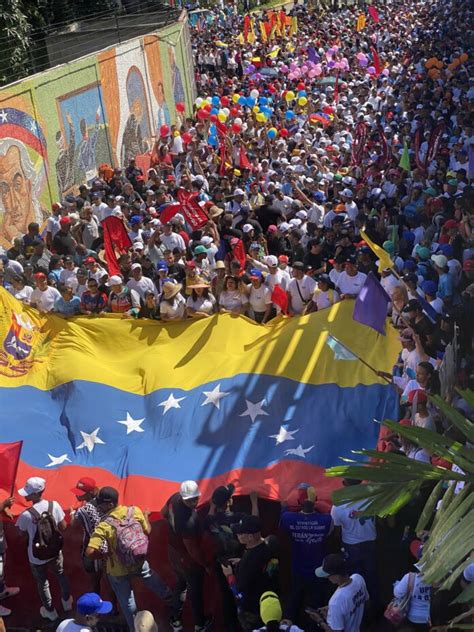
186	553
253	573
418	321
63	242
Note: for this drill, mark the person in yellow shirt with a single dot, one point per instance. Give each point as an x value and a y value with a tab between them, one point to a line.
104	543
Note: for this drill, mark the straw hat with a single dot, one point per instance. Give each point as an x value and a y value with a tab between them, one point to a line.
170	289
202	284
215	211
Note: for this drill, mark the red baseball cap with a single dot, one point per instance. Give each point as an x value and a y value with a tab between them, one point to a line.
421	397
234	241
84	486
65	220
56	206
40	275
451	223
89	260
283	259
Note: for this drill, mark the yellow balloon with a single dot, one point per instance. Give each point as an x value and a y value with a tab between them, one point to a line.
255	109
261	118
235	97
302	101
176	133
290	95
222	117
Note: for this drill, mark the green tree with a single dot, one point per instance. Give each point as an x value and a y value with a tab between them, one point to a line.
393	480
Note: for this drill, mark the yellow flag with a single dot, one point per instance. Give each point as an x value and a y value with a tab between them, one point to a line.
383	256
241	39
251	36
273	32
274	53
263	32
293	26
360	22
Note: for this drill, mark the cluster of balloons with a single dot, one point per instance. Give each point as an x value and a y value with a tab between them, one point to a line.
434	65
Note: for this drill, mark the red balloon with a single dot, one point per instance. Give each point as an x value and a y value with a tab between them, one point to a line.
271	89
225	101
300	86
213	118
236	128
187	138
328	110
180	107
234	111
164	130
203	114
284	132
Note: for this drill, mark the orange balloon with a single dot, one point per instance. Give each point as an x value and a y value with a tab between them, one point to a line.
433	73
464	57
439	64
431	62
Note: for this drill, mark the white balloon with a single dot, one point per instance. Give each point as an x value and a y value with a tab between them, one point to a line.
198	102
238	121
254	94
226	111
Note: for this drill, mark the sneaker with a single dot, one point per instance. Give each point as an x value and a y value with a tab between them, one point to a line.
52	615
207	625
176	624
9	592
67	605
4	612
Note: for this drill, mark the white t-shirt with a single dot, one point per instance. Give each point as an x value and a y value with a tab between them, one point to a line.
419	606
23	295
97	274
45	300
68	625
346	606
389	283
173	241
353	529
232	300
53	225
306	286
279	278
25	523
68	276
259	298
202	304
351	284
141	286
325	299
174	309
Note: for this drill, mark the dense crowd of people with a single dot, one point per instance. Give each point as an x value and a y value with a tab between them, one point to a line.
298	142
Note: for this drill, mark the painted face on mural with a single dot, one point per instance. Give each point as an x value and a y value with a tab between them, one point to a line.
15	194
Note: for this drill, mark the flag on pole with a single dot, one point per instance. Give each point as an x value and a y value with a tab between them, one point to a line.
116	242
371	305
263	32
383	256
280	298
373	14
341	352
405	159
9	459
360	24
246	27
294	26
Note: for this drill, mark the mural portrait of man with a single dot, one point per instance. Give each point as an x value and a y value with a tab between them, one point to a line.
21	178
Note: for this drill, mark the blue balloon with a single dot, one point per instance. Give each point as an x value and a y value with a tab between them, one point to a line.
242	101
215	101
289	114
263	101
214	111
250	102
302	93
213	130
212	140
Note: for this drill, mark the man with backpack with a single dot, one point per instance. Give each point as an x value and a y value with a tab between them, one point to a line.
123	533
44	523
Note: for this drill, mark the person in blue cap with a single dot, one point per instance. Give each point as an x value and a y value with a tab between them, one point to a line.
89	607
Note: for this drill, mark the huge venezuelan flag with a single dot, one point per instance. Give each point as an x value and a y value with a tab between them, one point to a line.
142	406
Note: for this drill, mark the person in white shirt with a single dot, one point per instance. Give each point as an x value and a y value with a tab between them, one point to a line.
260	297
412	584
429	288
53	225
170	239
100	209
43	296
94	269
140	283
358	535
352	209
68	274
172	303
351	281
275	276
89	607
388	281
27	522
324	295
20	290
346	606
201	303
300	289
233	298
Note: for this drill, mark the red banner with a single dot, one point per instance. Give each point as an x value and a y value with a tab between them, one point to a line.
376	58
193	213
244	162
433	144
9	459
373	14
116	242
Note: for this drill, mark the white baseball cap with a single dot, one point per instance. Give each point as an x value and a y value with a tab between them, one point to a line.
136	266
206	240
271	260
247	228
114	280
440	261
33	485
189	489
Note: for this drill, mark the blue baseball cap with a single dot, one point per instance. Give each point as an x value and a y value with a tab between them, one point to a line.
257	274
162	265
319	195
91	603
136	219
409	264
429	287
446	249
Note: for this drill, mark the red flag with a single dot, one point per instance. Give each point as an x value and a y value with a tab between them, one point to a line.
238	252
9	459
244	162
374	14
116	241
169	211
376	58
280	298
193	213
246	27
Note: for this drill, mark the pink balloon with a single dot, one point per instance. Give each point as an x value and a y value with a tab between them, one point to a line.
293	66
385	72
318	71
312	73
363	62
371	70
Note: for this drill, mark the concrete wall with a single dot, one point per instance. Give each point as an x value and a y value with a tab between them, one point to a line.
58	126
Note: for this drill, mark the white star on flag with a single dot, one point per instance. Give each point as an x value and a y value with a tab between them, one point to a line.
171	402
283	435
90	440
299	451
253	410
3	116
57	460
133	425
214	396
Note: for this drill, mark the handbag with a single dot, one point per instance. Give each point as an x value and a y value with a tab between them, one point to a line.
397	609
